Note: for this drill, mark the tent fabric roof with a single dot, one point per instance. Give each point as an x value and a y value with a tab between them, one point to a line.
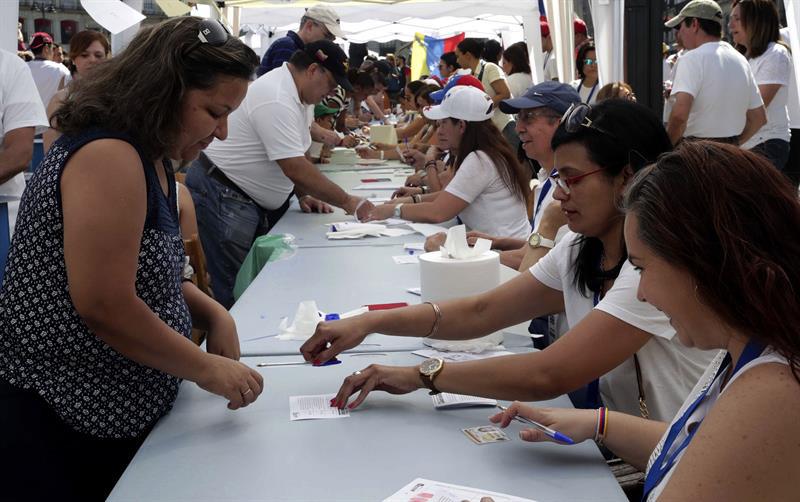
382	20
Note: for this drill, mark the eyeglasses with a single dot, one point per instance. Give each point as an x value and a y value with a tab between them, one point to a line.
211	32
589	61
529	115
566	183
326	32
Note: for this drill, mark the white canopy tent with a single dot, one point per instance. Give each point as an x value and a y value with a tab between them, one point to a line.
385	20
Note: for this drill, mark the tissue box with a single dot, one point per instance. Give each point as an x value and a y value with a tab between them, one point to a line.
447	278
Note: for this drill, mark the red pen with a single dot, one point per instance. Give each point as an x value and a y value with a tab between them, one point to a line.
386	306
374	180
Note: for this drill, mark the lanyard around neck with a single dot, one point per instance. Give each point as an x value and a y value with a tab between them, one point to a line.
665	461
591	93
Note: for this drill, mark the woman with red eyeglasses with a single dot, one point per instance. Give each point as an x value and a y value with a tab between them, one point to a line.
622	351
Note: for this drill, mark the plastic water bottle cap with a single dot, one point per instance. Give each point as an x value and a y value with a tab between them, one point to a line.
331	317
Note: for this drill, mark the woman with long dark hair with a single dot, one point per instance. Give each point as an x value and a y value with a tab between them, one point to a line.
755	27
516	65
489	189
726	275
589	82
95	318
614	337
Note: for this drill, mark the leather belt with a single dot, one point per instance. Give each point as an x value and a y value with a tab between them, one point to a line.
216	173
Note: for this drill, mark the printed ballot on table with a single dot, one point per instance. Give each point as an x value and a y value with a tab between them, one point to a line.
314	407
435	491
446	401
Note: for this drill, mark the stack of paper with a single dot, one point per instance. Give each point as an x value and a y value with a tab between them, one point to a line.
445	401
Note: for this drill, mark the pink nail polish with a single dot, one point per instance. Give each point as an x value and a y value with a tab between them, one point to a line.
351	406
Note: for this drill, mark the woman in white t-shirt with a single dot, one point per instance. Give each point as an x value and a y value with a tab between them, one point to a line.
489	189
755	28
586	275
727	278
588	83
517	67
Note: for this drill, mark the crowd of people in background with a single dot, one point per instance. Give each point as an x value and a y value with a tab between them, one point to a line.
656	253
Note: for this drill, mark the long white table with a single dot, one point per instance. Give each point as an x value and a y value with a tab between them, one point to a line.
202	451
339	279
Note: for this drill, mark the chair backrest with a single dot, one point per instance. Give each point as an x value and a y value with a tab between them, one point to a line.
194	250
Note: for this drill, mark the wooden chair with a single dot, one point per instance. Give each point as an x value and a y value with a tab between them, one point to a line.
194	250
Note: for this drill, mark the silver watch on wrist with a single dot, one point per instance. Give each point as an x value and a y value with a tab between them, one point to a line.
397	210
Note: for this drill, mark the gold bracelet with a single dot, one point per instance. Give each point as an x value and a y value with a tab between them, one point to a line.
438	312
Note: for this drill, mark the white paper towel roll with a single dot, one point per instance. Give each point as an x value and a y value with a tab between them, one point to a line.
447	278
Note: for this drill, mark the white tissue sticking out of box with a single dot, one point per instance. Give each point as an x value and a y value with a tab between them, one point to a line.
456	247
305	322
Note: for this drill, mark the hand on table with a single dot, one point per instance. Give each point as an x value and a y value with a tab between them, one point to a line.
341	335
222	339
391	379
236	382
357	204
414	180
413	157
366	152
406	191
309	204
381	212
435	241
578	424
349	141
472	237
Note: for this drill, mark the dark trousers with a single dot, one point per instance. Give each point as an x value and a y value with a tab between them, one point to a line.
42	458
774	150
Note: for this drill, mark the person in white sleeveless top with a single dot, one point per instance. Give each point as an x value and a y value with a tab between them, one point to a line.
727	278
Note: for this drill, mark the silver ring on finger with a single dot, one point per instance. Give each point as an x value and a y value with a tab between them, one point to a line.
356	373
248	391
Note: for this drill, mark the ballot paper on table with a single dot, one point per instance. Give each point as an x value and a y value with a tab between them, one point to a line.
436	491
463	356
405	259
383	185
314	407
426	229
447	401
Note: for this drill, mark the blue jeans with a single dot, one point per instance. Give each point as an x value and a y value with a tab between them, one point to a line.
774	150
229	223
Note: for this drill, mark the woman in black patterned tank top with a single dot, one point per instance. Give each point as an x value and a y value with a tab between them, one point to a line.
94	314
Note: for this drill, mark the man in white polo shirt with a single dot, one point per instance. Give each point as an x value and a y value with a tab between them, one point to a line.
21	116
242	186
715	93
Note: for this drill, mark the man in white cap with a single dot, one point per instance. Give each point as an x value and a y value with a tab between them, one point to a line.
715	93
320	22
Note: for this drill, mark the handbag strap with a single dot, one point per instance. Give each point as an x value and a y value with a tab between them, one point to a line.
642	402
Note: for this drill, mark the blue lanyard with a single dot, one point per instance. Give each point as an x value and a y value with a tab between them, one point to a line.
664	462
593	399
546	186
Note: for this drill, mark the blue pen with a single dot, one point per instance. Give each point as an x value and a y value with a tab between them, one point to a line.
561	438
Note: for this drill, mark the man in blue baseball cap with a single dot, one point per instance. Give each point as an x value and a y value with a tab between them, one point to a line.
538	113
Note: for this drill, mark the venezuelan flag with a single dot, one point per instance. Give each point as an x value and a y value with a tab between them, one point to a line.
426	51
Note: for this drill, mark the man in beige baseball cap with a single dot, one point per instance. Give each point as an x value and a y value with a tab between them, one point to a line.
319	22
700	9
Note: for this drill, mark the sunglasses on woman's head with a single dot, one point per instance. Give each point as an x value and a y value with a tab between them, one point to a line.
211	32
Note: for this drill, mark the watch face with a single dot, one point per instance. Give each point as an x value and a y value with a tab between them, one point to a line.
430	366
534	240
